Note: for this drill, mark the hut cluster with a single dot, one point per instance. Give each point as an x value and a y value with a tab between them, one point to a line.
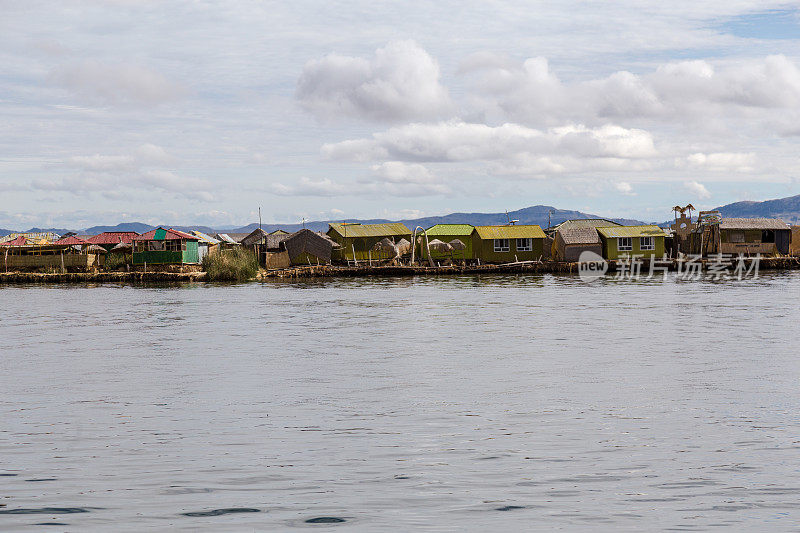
394	243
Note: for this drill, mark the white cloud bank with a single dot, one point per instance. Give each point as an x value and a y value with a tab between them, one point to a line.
519	148
116	83
392	178
111	175
531	93
400	83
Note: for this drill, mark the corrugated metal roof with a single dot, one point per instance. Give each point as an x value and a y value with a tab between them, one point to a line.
161	234
46	236
631	231
370	230
510	232
113	237
579	235
451	229
226	238
586	223
205	238
753	223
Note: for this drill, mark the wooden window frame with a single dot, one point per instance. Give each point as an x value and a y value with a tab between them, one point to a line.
527	247
624	248
501	248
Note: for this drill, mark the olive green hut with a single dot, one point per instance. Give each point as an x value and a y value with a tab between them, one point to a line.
505	244
357	240
447	233
641	241
165	247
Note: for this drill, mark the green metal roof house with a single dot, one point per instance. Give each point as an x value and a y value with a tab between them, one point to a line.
505	244
643	241
165	247
447	233
359	239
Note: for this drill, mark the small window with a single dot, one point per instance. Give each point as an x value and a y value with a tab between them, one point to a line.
736	236
647	243
624	244
524	245
768	236
501	245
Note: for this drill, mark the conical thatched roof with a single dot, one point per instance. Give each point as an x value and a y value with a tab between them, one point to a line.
439	246
403	247
384	245
457	244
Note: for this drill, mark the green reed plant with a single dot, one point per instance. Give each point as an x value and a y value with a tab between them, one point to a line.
235	264
115	262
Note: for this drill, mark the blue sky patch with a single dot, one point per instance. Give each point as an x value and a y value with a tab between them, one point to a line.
773	24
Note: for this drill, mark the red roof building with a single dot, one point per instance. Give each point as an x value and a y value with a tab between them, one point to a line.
165	247
113	238
72	240
19	241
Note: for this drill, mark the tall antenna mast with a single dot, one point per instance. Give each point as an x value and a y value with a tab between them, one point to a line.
259	217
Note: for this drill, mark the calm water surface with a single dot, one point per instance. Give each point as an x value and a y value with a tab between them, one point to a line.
440	404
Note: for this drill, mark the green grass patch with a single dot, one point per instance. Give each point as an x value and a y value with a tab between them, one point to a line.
115	262
236	264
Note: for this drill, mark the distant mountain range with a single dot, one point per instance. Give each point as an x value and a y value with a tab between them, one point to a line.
786	208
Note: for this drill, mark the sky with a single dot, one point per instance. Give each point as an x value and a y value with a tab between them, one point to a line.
200	112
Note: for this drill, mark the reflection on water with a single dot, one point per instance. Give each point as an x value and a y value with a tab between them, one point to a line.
475	402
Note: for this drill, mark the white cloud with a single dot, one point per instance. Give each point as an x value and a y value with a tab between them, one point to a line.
392	178
310	187
403	179
625	188
192	188
150	153
115	176
698	189
116	83
401	82
517	146
722	161
101	163
76	183
531	93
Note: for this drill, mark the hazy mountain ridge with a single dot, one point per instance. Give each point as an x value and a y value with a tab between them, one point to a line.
786	208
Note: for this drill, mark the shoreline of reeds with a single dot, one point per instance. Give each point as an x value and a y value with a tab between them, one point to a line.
242	270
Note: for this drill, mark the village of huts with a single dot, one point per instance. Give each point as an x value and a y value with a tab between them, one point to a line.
169	249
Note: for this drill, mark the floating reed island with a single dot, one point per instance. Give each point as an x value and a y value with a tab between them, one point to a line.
708	241
533	267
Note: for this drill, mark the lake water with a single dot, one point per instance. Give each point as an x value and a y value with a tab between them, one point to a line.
490	403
